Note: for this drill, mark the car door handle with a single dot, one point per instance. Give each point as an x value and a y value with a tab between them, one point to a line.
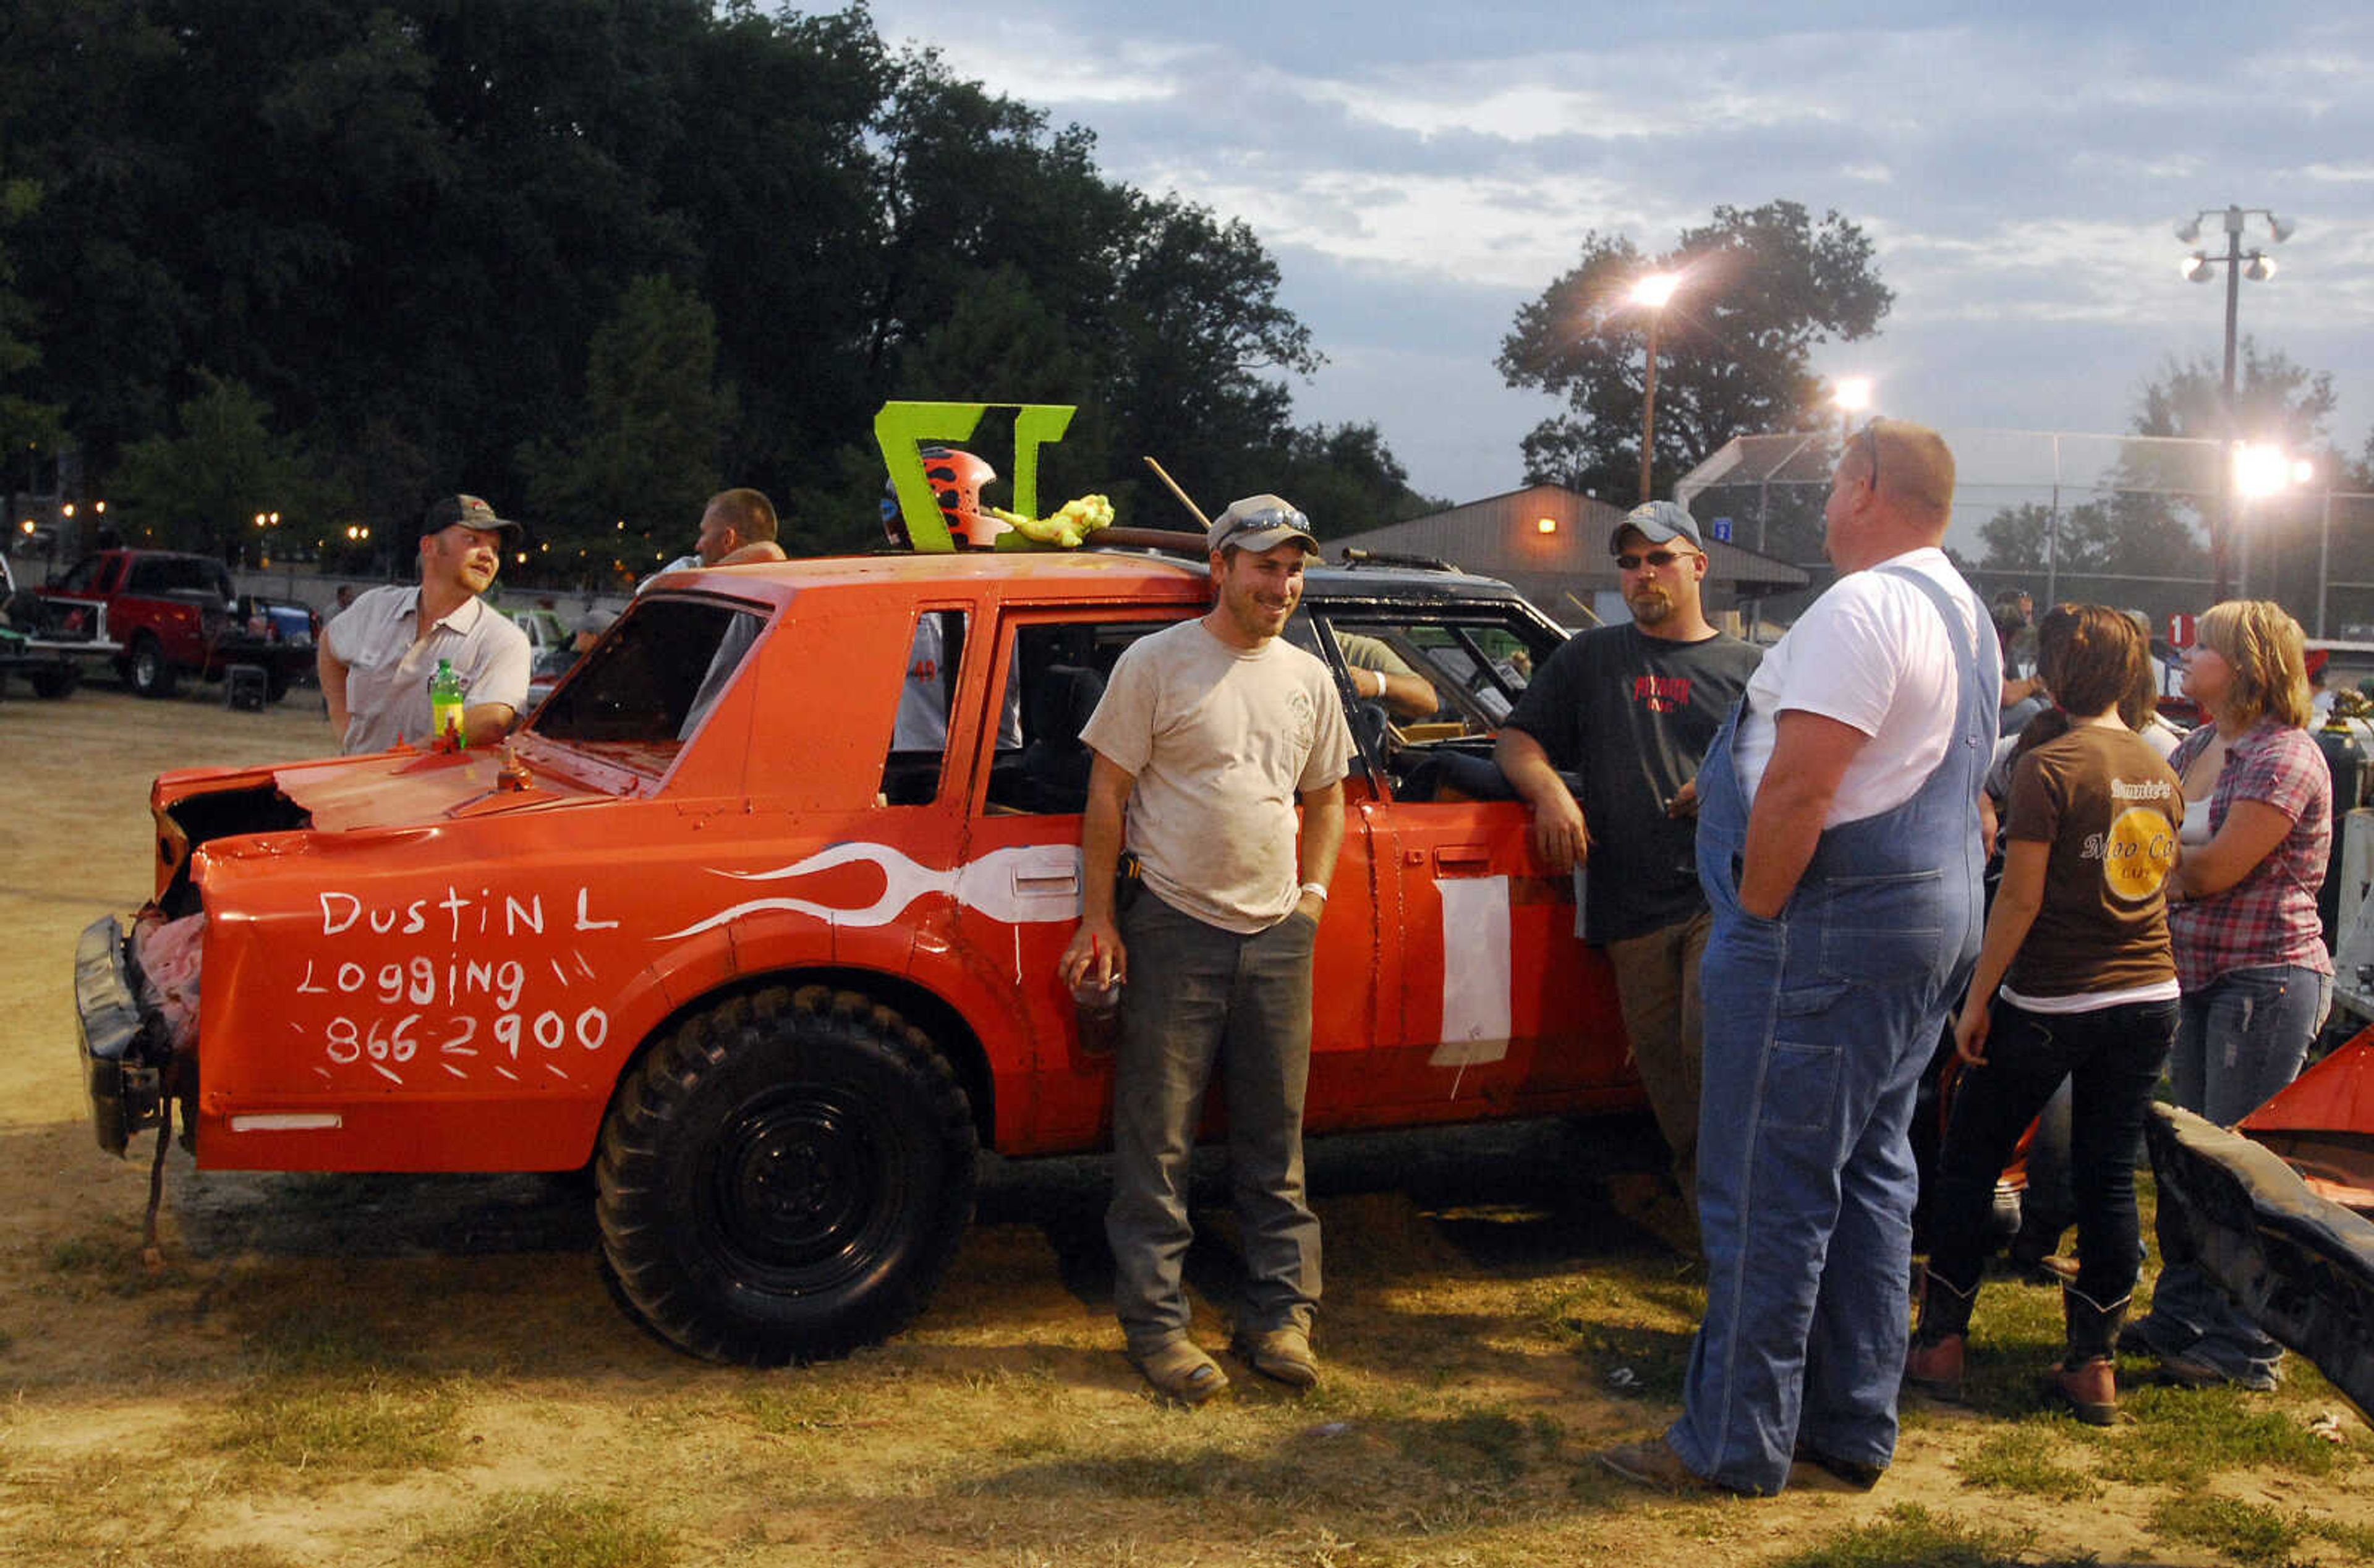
1463	858
1046	883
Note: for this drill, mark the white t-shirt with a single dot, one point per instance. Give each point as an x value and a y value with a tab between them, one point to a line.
1871	653
1222	741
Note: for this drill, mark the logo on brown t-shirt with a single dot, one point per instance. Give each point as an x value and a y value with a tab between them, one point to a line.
2139	850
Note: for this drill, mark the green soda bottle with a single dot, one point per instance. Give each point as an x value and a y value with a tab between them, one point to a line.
445	694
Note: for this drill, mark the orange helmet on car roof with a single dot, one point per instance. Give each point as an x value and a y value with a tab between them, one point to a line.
956	478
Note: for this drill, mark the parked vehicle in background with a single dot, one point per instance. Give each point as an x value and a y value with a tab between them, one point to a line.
549	636
553	654
32	645
168	615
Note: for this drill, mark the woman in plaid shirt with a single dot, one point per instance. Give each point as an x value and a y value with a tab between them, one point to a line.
2250	952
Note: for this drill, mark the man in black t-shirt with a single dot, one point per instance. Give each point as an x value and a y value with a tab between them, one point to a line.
1632	709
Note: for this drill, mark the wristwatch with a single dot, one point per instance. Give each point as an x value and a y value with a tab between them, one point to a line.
1317	889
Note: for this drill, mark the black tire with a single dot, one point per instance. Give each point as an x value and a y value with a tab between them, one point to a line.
276	684
55	683
785	1179
147	668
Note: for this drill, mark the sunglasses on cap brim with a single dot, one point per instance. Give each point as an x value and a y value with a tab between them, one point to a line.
1262	521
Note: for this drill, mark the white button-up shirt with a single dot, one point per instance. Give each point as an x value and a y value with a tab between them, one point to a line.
389	669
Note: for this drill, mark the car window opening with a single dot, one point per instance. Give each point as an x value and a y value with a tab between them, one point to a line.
646	690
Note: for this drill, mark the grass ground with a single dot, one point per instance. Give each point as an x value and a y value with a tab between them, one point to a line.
378	1371
253	1408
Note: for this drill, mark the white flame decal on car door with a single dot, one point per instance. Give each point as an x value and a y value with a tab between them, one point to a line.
1023	883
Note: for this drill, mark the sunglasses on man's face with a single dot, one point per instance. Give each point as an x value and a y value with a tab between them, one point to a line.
1632	563
1870	438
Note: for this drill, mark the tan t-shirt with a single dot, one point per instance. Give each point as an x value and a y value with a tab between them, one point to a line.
1221	742
2109	808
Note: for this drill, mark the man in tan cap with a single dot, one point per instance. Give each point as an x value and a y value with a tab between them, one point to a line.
1207	736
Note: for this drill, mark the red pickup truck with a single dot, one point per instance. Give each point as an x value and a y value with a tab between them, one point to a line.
168	614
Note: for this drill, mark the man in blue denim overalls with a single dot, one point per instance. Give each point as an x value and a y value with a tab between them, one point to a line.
1841	848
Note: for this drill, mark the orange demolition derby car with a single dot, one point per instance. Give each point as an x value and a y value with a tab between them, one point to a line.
760	914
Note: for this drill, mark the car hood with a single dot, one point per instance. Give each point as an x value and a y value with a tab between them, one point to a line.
400	788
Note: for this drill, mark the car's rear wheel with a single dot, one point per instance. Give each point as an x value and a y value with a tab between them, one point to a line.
147	670
785	1178
56	683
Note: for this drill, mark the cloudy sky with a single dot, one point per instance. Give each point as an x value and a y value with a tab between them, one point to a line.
1421	169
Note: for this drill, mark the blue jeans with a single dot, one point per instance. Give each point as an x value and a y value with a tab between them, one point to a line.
2243	1037
2111	1057
1198	995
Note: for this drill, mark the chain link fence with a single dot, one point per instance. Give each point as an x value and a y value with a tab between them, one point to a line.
2069	518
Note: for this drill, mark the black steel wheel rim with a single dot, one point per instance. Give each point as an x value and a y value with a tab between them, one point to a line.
802	1189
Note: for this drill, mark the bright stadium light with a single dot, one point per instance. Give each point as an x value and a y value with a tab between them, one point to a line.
2260	471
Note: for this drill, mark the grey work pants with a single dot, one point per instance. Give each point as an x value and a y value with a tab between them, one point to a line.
1198	995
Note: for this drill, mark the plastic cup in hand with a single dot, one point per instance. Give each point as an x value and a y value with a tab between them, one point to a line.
1098	1007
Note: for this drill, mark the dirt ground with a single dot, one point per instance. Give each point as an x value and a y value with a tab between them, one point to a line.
391	1370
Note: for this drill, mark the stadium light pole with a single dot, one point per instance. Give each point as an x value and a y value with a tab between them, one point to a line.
1651	293
2258	267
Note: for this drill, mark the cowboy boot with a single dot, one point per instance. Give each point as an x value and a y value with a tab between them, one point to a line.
1934	1365
2085	1379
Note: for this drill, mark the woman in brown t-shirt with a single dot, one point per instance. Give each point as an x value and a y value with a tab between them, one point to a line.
2078	943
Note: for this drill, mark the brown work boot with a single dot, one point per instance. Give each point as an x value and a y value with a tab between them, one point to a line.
1934	1365
1653	1464
1935	1368
1180	1370
1282	1354
2090	1389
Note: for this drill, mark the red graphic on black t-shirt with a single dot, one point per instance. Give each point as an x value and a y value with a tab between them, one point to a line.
1661	694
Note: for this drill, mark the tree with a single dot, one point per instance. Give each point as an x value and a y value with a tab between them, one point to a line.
1346	479
1197	332
644	453
24	421
1762	287
409	228
201	490
2275	400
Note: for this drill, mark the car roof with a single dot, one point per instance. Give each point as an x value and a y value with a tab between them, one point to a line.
1086	573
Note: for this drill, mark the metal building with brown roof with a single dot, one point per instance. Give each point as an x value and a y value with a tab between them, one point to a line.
1551	544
